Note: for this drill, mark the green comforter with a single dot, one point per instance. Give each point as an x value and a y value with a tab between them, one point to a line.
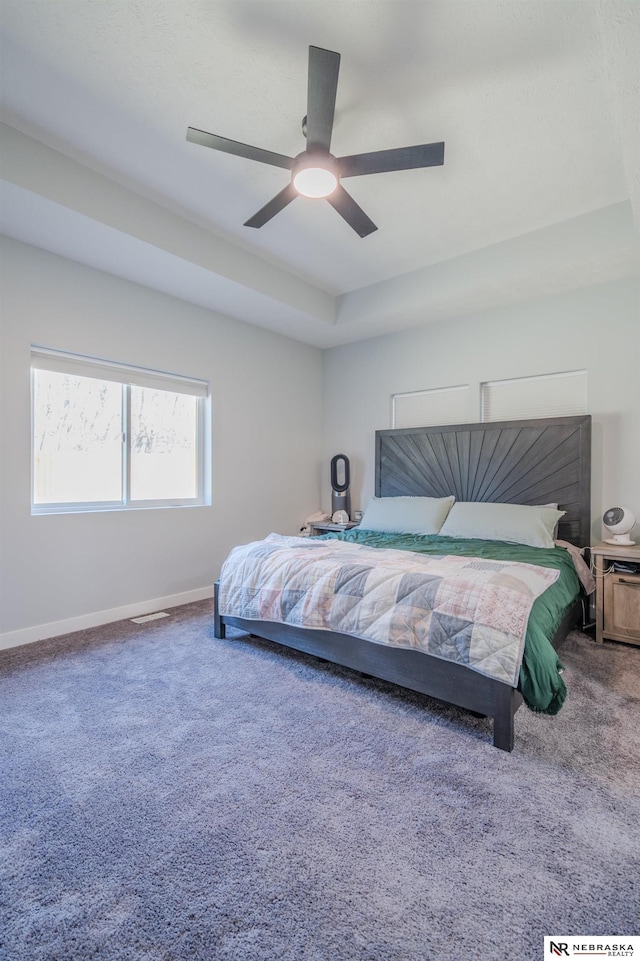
541	683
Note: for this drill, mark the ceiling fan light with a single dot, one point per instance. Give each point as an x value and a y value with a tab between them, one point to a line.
315	181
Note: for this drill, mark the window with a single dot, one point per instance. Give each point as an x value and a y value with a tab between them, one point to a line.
107	436
549	395
430	408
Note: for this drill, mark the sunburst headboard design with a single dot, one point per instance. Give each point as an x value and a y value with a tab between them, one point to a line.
517	462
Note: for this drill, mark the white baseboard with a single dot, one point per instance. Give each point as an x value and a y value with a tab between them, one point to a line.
54	629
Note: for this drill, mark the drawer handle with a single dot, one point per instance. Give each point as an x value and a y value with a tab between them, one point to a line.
622	580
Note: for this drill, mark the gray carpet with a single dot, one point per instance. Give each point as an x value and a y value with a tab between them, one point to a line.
169	796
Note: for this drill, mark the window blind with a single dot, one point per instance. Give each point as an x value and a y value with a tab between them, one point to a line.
43	358
430	408
548	395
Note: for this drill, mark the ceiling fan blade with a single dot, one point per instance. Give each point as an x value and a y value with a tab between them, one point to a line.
239	149
399	158
355	216
321	97
275	205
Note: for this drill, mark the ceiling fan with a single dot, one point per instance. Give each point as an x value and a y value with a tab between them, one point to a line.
316	172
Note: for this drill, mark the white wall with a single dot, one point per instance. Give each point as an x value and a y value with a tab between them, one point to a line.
61	572
270	456
579	330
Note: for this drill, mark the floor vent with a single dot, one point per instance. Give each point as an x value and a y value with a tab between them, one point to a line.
149	617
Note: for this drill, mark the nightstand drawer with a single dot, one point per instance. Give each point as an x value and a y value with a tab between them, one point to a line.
622	607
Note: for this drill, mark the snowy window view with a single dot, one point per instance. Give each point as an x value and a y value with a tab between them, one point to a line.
103	442
163	445
77	439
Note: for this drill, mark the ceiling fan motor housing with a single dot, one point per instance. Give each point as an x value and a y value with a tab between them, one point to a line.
314	173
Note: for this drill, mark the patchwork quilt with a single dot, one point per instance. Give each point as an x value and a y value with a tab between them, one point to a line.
470	610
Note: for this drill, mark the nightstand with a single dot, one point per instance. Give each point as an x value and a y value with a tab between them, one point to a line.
326	528
617	592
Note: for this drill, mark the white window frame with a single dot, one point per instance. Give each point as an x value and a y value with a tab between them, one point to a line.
44	358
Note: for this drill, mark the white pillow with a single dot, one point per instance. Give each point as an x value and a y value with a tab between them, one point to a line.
406	515
515	523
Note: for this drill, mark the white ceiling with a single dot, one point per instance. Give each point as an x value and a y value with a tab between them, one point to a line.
537	103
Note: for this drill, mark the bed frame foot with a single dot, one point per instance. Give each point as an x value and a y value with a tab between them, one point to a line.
503	718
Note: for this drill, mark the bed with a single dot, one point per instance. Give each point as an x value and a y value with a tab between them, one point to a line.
533	462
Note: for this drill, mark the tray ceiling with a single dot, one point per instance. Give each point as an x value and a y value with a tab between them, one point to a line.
537	103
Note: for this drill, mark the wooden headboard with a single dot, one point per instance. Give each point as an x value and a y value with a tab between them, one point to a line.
517	462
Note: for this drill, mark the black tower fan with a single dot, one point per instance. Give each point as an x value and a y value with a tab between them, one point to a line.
340	495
